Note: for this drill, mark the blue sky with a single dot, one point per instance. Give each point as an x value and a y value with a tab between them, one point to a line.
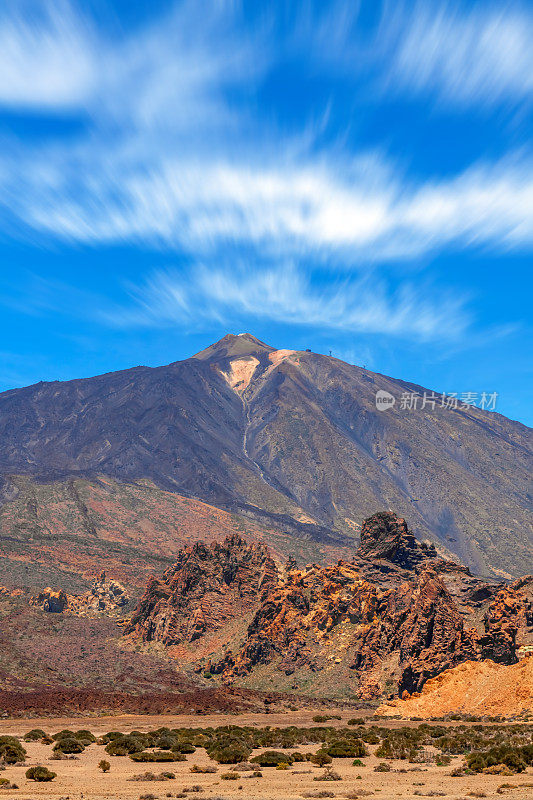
344	176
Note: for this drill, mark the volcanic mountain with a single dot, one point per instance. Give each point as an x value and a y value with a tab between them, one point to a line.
289	441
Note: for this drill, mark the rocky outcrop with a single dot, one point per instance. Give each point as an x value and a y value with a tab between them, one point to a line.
50	600
415	624
104	598
385	535
381	625
508	622
208	585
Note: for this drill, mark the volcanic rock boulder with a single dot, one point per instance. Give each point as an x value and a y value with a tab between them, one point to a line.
208	585
51	601
508	622
104	598
385	535
406	633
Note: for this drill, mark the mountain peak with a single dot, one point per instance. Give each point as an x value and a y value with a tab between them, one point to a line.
240	344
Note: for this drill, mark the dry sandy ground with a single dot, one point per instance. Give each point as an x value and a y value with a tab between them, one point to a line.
81	779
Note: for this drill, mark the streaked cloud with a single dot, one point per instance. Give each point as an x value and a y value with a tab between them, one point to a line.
307	208
461	53
175	151
289	294
172	155
48	56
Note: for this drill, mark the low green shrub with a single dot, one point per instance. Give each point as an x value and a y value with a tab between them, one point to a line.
35	735
157	756
297	757
229	752
347	748
40	774
271	758
125	744
11	750
85	736
64	734
201	770
69	746
321	758
182	747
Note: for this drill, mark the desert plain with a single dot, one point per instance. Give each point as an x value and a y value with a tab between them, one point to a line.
79	777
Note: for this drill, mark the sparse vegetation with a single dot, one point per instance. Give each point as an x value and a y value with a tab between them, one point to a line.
157	756
203	770
347	748
229	751
151	776
329	774
40	774
35	735
11	750
500	749
69	745
321	758
271	758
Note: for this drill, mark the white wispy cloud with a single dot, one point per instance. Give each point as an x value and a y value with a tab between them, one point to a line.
462	54
289	294
48	56
175	151
301	208
169	159
458	53
167	74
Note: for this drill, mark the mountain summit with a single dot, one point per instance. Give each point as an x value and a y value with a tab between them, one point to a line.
231	345
291	438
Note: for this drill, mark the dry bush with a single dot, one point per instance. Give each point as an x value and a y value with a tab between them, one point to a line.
201	770
329	774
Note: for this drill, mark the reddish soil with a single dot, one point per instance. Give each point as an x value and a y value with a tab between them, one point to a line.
49	702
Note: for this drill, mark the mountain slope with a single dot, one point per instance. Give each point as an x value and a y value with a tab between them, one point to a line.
64	533
293	438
